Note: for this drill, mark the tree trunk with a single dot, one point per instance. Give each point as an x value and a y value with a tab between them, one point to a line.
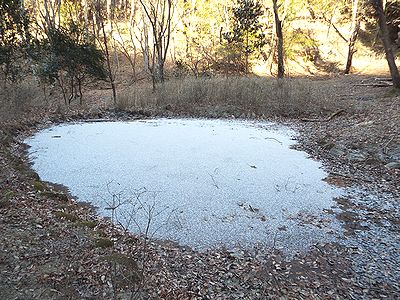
108	59
59	13
160	71
160	18
131	28
247	53
355	28
61	84
384	35
279	35
72	95
145	47
47	15
108	4
226	15
153	64
86	19
79	81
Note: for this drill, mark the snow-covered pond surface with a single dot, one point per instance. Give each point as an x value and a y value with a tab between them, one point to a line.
202	183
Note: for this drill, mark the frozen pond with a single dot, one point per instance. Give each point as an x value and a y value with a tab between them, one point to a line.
202	183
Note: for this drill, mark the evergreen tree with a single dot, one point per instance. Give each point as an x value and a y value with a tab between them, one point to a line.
247	32
68	54
14	37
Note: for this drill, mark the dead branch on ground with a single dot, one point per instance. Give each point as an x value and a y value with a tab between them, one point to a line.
340	111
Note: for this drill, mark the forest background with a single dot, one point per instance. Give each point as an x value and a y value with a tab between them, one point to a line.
50	49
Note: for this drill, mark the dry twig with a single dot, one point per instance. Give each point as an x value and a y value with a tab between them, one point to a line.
324	120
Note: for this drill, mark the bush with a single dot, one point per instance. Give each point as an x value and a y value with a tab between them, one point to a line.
14	36
67	58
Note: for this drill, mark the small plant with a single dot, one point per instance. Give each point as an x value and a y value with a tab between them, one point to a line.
127	213
8	195
5	199
126	271
55	195
104	243
86	224
39	186
66	216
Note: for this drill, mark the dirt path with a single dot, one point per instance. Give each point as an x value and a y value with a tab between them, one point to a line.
54	248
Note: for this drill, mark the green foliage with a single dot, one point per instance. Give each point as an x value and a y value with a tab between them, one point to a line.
14	36
75	56
67	54
39	186
300	43
393	17
46	66
103	243
55	195
326	9
71	11
84	224
5	199
202	23
369	36
231	59
66	216
247	32
8	195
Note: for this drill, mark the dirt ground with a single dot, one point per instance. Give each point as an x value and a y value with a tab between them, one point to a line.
53	247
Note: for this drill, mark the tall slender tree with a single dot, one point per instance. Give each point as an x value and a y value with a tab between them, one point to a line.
384	35
279	35
159	14
14	36
106	50
355	28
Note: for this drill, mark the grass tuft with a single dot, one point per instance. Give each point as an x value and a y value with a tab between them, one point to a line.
39	186
84	224
8	194
55	195
104	243
66	216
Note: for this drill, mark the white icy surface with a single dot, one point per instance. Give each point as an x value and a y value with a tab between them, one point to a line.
206	183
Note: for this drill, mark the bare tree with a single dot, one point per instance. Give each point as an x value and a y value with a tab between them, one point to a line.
355	28
144	43
159	14
105	48
86	18
279	35
384	35
51	14
128	47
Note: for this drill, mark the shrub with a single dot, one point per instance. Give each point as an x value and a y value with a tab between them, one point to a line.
66	57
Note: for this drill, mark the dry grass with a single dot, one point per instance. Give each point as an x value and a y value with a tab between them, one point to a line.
260	96
20	98
206	97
